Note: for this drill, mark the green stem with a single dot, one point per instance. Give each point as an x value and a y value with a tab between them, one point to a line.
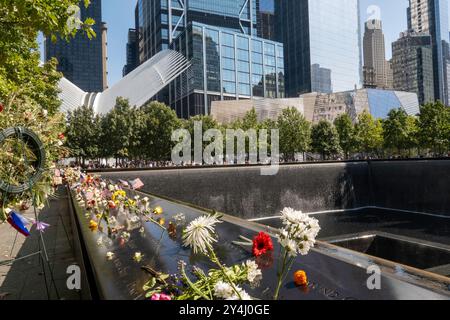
280	276
222	268
196	290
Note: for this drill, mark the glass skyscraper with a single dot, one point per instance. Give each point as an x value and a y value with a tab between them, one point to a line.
82	60
431	17
412	64
132	52
226	65
219	37
159	22
322	45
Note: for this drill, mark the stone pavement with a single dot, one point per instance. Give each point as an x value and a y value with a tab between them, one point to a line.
25	279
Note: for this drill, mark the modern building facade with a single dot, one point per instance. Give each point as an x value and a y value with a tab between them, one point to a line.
226	65
375	64
412	64
139	86
266	25
432	17
159	22
321	106
132	52
83	60
322	45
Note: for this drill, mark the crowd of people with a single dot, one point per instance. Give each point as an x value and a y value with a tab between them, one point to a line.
147	164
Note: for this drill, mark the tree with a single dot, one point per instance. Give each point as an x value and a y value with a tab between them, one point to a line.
83	133
325	139
21	75
346	132
295	133
250	120
138	126
399	131
159	122
28	91
369	134
118	129
434	127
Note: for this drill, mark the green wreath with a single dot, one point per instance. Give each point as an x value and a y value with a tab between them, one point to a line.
32	141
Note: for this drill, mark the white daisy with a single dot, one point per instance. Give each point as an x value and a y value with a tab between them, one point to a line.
253	272
223	290
243	295
299	233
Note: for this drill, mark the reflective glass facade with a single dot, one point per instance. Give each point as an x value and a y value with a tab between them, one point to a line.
159	22
432	17
225	66
81	59
322	45
439	32
412	65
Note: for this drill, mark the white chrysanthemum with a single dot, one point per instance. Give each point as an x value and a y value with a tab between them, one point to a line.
223	290
242	293
200	234
253	272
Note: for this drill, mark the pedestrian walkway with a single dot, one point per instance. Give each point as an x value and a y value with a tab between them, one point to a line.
26	279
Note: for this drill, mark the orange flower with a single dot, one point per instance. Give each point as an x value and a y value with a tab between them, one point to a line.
300	278
93	225
158	211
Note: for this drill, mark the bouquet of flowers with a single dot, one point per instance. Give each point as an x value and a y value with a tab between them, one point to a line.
297	236
223	283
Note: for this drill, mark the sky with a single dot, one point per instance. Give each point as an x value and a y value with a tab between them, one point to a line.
119	15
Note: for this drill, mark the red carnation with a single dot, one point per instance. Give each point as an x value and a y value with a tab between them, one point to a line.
1	107
261	244
61	136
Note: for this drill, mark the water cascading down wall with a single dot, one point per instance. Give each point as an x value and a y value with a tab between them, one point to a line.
418	186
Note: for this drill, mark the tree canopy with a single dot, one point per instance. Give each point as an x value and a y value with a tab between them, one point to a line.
325	139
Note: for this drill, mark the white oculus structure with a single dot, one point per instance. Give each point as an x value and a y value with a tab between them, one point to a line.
139	86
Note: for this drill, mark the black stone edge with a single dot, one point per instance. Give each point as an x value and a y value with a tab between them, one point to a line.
262	166
92	291
416	276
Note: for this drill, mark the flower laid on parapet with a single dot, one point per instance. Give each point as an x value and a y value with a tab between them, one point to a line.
117	217
297	236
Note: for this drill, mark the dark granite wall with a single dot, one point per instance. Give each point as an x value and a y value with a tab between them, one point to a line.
411	185
422	186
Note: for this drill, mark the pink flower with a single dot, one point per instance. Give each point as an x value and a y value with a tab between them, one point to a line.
160	297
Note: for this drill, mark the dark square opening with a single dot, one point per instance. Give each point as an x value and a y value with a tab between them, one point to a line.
408	252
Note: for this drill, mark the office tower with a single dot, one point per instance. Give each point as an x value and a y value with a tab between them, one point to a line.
159	22
220	70
105	55
266	25
389	75
132	52
412	65
431	17
322	45
266	20
375	54
83	60
226	65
